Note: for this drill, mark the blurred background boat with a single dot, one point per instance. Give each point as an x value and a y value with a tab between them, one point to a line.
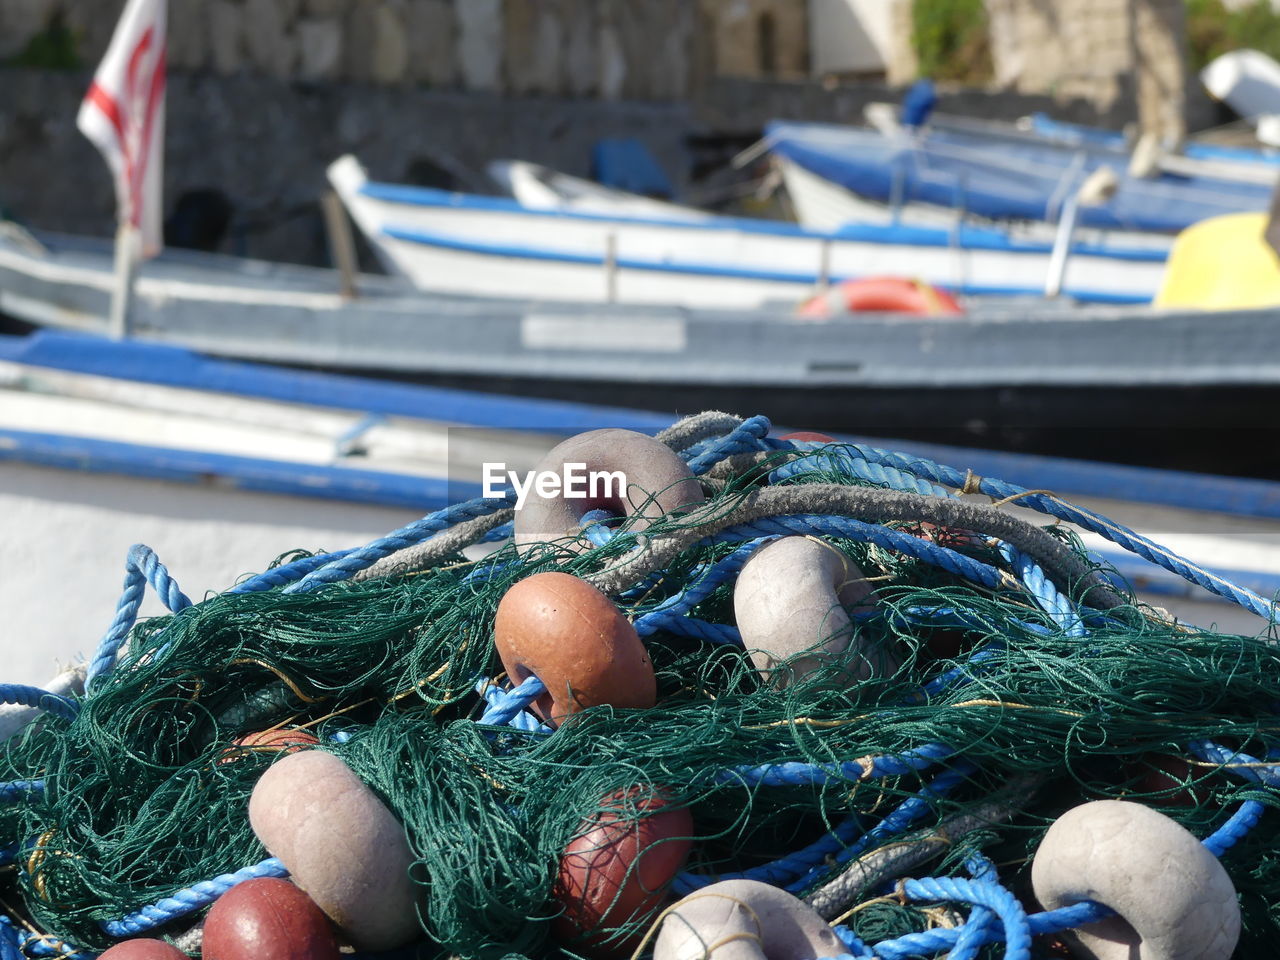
1170	387
1025	180
489	246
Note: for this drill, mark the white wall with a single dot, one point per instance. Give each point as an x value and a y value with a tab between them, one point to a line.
850	35
66	535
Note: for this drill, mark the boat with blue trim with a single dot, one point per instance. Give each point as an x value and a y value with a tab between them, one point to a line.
1162	387
1011	178
467	244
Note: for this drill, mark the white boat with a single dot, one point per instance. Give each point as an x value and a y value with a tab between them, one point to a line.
219	467
1014	177
541	188
464	244
1033	375
1248	81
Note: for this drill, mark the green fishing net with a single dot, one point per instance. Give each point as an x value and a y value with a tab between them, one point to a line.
145	794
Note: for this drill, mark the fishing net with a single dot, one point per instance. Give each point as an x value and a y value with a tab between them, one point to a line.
1022	687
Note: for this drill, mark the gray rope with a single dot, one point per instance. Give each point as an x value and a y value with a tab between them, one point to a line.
191	941
870	505
419	556
701	426
895	860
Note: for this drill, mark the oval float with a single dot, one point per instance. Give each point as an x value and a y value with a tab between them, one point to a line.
143	949
657	482
267	918
744	920
576	641
617	868
790	596
1174	899
340	844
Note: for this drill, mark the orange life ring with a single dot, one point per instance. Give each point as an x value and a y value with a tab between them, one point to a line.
888	294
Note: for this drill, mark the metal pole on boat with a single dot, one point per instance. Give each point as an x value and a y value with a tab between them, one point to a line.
611	267
342	245
1097	189
824	265
128	249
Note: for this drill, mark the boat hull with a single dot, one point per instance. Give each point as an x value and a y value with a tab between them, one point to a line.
1175	388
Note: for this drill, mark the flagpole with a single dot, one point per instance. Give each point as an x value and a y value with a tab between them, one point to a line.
128	246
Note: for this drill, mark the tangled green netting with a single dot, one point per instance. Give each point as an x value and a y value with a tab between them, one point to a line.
143	798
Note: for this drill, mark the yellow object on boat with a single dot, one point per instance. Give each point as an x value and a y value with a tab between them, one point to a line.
1223	263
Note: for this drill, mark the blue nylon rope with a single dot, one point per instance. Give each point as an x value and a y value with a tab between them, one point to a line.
748	437
847	456
15	791
142	567
352	562
508	707
970	940
700	587
286	573
23	695
9	942
190	899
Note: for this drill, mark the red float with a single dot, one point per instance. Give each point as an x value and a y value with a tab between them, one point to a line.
571	636
267	918
618	868
808	436
286	739
882	294
143	949
281	740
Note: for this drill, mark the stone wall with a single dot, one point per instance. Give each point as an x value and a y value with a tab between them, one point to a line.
265	143
1107	52
611	49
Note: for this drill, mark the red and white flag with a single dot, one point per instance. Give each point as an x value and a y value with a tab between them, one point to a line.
123	114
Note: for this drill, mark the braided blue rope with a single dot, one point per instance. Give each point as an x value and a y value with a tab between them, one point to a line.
694	629
352	562
1002	903
15	791
190	899
698	589
26	696
844	527
33	945
286	573
857	949
847	455
878	473
142	567
927	942
747	437
509	707
803	774
1046	594
970	940
9	943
